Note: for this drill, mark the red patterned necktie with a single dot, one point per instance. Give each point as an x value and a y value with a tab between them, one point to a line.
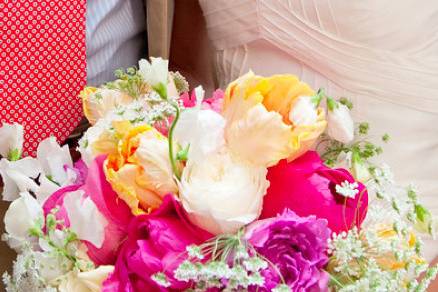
42	67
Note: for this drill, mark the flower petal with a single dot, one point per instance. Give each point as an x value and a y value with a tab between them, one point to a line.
11	137
85	219
22	214
260	138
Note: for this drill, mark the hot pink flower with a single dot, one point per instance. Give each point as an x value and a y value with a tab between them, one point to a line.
308	187
156	243
214	103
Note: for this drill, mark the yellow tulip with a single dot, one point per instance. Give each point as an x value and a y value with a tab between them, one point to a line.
139	170
257	110
97	102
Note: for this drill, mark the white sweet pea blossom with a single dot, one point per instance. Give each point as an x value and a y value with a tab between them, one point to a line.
85	219
56	162
304	111
23	214
154	72
201	130
18	176
340	123
11	137
221	195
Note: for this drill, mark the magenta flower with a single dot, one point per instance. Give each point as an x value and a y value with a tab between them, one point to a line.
297	246
308	187
156	243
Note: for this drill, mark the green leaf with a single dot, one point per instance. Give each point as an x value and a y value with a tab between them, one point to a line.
14	154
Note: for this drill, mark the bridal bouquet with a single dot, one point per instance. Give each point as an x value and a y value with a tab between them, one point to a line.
266	186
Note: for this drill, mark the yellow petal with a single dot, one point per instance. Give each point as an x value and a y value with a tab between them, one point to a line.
260	137
284	92
127	183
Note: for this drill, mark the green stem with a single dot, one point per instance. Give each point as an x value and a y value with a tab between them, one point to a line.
170	141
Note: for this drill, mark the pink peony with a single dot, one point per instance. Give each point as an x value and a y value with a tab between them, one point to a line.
307	187
156	243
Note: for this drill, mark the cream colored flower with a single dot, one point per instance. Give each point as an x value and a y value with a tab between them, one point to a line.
340	123
98	102
85	219
90	281
11	137
222	195
22	214
140	170
154	72
280	103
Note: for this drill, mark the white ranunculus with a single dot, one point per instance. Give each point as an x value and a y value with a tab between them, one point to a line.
340	124
221	195
11	137
155	72
303	112
152	155
18	176
85	219
23	214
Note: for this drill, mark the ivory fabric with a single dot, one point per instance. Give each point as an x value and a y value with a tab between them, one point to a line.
383	55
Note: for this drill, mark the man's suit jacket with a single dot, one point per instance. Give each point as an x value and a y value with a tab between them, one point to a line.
159	26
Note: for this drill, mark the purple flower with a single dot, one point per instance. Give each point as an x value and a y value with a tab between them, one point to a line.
297	246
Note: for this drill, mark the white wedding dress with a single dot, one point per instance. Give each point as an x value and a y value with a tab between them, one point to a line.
381	54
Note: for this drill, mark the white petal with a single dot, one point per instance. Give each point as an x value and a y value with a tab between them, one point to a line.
18	176
203	130
46	189
215	200
85	219
303	112
11	137
154	72
93	279
53	159
22	214
340	124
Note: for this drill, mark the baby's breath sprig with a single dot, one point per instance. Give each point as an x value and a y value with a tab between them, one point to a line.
225	262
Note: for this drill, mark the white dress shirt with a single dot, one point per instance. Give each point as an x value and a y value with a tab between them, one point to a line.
116	37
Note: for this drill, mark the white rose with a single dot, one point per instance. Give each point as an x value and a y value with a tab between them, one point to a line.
22	214
11	137
340	123
221	195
